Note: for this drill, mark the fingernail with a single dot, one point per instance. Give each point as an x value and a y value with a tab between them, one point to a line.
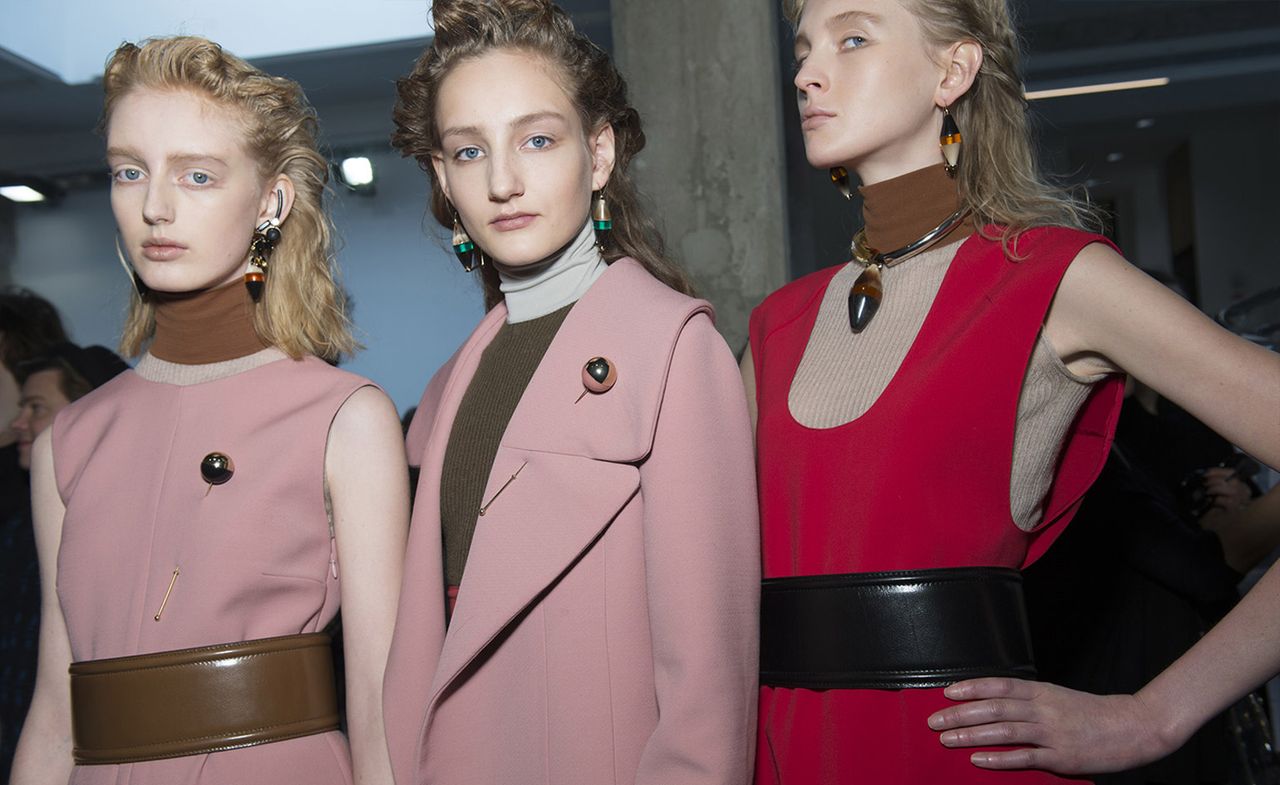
949	738
935	722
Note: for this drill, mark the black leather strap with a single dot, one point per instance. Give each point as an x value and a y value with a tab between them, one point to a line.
893	630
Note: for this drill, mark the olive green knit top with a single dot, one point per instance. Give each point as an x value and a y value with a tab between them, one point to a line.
507	365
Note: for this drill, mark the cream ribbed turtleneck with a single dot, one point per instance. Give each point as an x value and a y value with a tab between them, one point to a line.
539	289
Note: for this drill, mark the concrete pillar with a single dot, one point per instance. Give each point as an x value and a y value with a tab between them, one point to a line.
705	77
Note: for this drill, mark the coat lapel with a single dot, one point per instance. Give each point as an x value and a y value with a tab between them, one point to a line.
419	634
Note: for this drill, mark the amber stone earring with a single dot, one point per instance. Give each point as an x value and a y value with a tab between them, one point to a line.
949	141
840	179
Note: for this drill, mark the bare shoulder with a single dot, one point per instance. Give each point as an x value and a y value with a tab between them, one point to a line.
366	408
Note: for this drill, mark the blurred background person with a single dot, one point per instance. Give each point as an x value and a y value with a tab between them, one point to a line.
46	382
29	325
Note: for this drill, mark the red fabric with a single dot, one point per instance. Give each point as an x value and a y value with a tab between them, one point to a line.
921	480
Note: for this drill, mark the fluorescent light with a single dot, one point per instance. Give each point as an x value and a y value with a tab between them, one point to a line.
357	172
1107	87
21	193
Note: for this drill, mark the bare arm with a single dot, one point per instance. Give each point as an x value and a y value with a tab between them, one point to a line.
1109	316
369	490
44	749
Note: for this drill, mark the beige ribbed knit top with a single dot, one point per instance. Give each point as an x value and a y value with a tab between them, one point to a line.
841	375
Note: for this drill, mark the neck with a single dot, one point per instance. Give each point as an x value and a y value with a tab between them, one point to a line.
900	210
538	289
208	326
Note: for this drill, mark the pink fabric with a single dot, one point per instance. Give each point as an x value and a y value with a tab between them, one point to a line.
253	552
606	626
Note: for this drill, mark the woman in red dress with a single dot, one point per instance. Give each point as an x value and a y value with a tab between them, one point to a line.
930	413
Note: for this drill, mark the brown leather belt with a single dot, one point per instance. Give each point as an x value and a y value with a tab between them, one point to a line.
207	699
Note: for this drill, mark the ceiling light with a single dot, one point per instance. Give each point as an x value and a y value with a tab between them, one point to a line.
21	193
1106	87
357	172
1113	158
1145	123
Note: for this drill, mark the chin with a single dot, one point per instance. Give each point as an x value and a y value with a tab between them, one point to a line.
522	253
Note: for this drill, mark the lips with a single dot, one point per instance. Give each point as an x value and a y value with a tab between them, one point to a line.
512	221
162	249
813	118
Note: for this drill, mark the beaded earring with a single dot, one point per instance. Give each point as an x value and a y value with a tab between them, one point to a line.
265	239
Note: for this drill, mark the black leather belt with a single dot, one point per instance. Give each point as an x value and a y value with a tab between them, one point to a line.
893	630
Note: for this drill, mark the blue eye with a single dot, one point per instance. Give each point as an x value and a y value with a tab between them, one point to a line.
540	142
200	178
467	154
128	174
856	39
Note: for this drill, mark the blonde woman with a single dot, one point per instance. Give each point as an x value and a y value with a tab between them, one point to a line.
200	519
930	413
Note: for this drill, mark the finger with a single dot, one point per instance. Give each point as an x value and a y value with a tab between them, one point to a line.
983	712
991	687
1000	734
1218	473
1011	759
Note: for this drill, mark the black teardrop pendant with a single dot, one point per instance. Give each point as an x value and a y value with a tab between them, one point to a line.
864	298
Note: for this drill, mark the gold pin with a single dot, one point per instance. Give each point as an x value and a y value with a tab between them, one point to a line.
510	480
167	592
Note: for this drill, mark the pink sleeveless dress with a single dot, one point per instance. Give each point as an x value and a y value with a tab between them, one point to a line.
255	552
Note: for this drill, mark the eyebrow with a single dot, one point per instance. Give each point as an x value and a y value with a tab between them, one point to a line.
841	19
527	119
177	158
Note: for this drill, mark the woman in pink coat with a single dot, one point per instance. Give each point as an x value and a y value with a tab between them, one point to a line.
579	599
200	519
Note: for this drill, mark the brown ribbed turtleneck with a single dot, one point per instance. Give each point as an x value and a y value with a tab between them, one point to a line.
898	211
210	326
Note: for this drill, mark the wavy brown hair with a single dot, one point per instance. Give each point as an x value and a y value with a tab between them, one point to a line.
468	29
998	178
302	310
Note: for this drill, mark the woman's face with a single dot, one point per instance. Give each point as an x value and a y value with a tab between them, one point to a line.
868	88
185	192
515	160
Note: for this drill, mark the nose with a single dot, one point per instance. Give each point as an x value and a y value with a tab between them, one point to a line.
158	206
22	423
505	179
809	79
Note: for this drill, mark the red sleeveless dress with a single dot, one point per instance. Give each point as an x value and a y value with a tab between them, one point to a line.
921	480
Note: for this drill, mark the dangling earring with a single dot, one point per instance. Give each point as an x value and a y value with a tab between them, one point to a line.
950	142
138	285
601	219
265	239
470	256
840	179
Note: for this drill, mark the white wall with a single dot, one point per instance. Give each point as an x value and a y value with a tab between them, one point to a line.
413	305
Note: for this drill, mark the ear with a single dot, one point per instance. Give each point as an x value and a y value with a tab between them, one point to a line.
437	166
277	199
601	145
962	60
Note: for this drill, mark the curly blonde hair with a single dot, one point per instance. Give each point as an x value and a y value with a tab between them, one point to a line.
468	29
998	179
302	310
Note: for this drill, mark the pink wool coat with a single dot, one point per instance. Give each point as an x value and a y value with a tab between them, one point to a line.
606	629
